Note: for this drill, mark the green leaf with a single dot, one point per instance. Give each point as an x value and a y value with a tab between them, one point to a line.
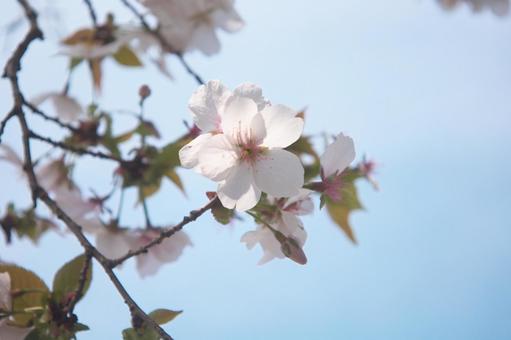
221	214
80	327
31	292
73	62
148	190
162	316
140	334
174	178
125	56
147	128
341	211
67	279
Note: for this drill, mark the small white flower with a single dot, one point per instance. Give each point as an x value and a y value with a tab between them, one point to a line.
8	332
5	293
67	108
247	157
83	211
285	221
169	250
498	7
52	175
337	156
114	243
192	24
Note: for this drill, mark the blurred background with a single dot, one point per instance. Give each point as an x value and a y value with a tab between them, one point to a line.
424	92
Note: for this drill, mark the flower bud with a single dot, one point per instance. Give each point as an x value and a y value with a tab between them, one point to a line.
144	91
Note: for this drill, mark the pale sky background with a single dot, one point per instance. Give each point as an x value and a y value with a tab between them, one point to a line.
424	92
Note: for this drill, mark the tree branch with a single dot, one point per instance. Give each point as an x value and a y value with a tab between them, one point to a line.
92	12
74	149
81	282
11	72
3	124
192	216
164	43
57	121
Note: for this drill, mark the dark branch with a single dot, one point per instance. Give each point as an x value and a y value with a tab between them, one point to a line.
11	71
57	121
192	216
74	149
3	124
92	12
163	42
81	282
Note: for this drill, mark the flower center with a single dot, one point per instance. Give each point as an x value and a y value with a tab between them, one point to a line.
250	152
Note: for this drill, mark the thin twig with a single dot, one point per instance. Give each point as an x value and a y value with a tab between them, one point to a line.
57	121
192	216
3	124
92	12
74	149
11	72
81	282
163	42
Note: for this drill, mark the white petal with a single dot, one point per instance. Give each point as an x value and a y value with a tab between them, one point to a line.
216	158
113	244
283	128
279	173
5	291
207	104
238	190
338	155
147	265
171	248
227	19
300	204
205	40
189	154
13	333
9	155
269	244
253	92
237	119
41	98
292	226
67	108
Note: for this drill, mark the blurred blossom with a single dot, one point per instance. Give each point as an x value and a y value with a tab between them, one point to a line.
8	332
67	108
169	250
191	24
498	7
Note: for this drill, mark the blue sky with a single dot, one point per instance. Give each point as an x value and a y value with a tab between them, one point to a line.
423	91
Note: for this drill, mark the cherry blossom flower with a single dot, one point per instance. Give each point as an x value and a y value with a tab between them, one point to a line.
498	7
336	158
88	44
85	212
191	24
247	157
51	175
8	332
284	220
207	106
114	243
169	250
67	108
